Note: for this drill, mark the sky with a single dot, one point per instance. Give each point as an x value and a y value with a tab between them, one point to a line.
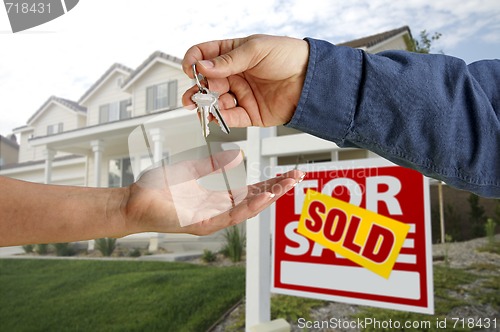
66	56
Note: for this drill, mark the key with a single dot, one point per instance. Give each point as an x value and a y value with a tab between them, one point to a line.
204	102
208	103
220	120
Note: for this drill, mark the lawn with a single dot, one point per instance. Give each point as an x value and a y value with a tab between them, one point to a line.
87	295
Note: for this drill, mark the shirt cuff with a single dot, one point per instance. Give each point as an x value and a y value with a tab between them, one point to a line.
329	96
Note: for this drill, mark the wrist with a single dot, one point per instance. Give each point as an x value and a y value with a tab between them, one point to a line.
117	213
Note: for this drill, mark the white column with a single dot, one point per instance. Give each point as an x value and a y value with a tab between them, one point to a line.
49	158
158	137
335	155
258	251
97	149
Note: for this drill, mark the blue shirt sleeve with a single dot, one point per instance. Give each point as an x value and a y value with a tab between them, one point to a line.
432	113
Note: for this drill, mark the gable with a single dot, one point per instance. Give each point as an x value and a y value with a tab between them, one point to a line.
108	79
170	63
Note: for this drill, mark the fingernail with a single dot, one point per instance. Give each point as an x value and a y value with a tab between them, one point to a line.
272	195
302	177
190	107
206	64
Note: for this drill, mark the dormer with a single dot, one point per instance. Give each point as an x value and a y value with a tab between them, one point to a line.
105	100
156	85
55	116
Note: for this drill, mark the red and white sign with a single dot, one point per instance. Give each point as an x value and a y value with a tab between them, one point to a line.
303	267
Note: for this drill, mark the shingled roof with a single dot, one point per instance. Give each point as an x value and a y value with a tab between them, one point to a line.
147	62
375	39
72	105
116	66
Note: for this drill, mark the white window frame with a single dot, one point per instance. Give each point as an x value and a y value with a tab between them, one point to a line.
114	111
55	128
162	96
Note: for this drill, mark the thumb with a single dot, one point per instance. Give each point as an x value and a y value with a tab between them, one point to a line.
241	58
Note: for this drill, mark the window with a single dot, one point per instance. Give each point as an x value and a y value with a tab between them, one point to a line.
114	111
120	173
55	128
161	96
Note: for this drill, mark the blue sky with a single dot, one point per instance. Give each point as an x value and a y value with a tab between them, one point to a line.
65	56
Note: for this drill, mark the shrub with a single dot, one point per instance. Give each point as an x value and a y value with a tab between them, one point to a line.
106	246
208	256
136	252
28	248
477	216
63	249
42	249
235	243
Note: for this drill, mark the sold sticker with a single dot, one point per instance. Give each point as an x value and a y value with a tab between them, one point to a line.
365	237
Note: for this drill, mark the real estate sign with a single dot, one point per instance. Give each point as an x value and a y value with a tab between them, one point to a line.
374	191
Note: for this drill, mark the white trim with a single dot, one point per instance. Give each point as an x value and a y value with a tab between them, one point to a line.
41	166
144	70
387	41
102	130
43	110
290	145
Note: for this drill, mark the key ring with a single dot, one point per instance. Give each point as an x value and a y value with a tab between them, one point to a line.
197	78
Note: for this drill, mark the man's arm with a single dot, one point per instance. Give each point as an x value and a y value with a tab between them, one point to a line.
432	113
37	213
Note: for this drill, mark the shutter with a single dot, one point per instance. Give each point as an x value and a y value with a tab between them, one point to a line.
50	130
172	94
60	127
150	98
103	113
124	114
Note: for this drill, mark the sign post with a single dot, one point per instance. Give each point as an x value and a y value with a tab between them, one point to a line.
303	267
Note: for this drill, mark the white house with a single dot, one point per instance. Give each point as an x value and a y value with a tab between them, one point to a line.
85	142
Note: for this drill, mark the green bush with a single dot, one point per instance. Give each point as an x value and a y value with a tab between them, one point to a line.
477	216
42	249
106	246
28	248
63	249
208	256
136	252
234	246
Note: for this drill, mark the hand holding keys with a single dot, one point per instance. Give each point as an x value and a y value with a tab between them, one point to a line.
207	103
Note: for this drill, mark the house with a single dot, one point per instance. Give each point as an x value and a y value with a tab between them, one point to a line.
9	150
86	142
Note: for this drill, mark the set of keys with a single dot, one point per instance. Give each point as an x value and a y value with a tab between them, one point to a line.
208	103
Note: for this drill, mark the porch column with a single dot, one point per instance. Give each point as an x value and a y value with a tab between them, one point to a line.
49	158
158	137
97	149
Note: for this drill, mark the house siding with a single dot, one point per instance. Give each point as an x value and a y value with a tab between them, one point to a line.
157	74
109	92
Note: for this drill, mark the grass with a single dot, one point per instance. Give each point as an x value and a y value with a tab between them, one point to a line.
447	282
86	295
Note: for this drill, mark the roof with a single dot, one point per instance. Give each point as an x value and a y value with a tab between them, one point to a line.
69	104
376	39
103	78
9	141
155	56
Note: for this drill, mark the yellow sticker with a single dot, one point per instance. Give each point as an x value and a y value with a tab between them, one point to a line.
365	237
